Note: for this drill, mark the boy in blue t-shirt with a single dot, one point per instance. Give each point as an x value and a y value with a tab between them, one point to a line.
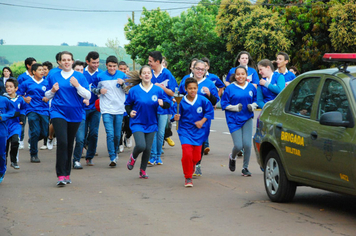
194	112
14	124
7	111
37	108
282	61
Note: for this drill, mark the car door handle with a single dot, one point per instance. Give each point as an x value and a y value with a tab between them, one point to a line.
279	125
314	135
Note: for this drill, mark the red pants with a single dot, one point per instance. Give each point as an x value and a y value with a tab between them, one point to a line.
191	155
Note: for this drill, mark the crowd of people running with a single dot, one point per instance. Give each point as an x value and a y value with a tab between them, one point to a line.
64	105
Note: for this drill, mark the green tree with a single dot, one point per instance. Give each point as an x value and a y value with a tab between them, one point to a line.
114	44
194	36
154	29
343	26
18	68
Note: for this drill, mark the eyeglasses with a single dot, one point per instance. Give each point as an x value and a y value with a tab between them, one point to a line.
199	69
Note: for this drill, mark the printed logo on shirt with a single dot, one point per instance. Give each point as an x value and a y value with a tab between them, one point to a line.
165	83
44	88
154	98
199	110
202	90
249	78
251	93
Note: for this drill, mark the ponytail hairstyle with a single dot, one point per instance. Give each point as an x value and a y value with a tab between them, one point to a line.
233	78
134	77
266	63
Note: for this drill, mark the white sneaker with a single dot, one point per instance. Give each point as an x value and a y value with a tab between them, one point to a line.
21	146
128	142
43	147
55	141
29	146
50	144
121	148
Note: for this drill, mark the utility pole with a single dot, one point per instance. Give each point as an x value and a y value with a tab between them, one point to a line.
133	20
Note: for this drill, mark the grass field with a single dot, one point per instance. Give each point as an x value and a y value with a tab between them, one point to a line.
15	53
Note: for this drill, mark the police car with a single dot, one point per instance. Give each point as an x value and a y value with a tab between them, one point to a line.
307	135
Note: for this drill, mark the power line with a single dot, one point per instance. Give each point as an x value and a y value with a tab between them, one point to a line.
85	10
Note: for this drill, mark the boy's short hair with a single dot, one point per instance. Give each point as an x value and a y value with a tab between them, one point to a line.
48	64
285	55
122	63
189	81
92	55
14	81
112	59
156	55
35	66
29	61
206	60
78	63
58	56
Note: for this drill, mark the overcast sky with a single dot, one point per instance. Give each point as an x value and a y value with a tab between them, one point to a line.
23	23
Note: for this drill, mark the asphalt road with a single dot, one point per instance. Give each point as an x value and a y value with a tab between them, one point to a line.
114	201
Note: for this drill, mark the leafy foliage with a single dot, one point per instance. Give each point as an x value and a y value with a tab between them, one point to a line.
114	44
17	68
343	26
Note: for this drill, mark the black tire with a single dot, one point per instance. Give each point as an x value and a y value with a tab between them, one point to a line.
278	187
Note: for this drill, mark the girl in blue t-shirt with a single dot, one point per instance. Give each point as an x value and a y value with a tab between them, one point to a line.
271	84
142	104
194	113
244	59
66	88
239	102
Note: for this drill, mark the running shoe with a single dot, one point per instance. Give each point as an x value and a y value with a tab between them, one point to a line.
89	162
170	142
35	159
15	165
77	165
29	146
50	144
128	142
159	161
121	147
113	163
21	145
240	154
67	179
188	182
206	150
245	172
197	170
44	147
232	163
143	174
152	161
55	141
61	181
131	163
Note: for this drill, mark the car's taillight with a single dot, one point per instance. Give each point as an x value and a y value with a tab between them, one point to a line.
339	57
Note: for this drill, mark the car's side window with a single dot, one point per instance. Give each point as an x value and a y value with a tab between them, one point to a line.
333	98
302	97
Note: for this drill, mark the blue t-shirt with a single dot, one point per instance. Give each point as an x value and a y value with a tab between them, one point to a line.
191	112
233	95
23	77
276	85
66	103
202	83
145	103
7	110
166	79
93	83
14	126
288	76
252	76
215	79
36	90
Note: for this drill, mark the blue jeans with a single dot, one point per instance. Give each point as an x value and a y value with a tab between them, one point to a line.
112	125
87	134
156	150
38	125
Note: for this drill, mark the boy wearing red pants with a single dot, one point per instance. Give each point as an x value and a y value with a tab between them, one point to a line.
194	111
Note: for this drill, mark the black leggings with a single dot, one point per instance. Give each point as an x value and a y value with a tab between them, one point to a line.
14	141
143	143
65	133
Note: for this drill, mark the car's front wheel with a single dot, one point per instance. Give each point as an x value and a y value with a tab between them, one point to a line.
278	187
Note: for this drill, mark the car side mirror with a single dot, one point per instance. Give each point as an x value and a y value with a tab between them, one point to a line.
333	118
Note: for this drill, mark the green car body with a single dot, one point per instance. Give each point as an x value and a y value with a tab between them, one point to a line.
307	135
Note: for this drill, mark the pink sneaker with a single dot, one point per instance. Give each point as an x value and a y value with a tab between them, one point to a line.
143	174
67	179
131	163
61	181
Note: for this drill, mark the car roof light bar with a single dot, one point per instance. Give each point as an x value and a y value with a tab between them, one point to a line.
340	57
